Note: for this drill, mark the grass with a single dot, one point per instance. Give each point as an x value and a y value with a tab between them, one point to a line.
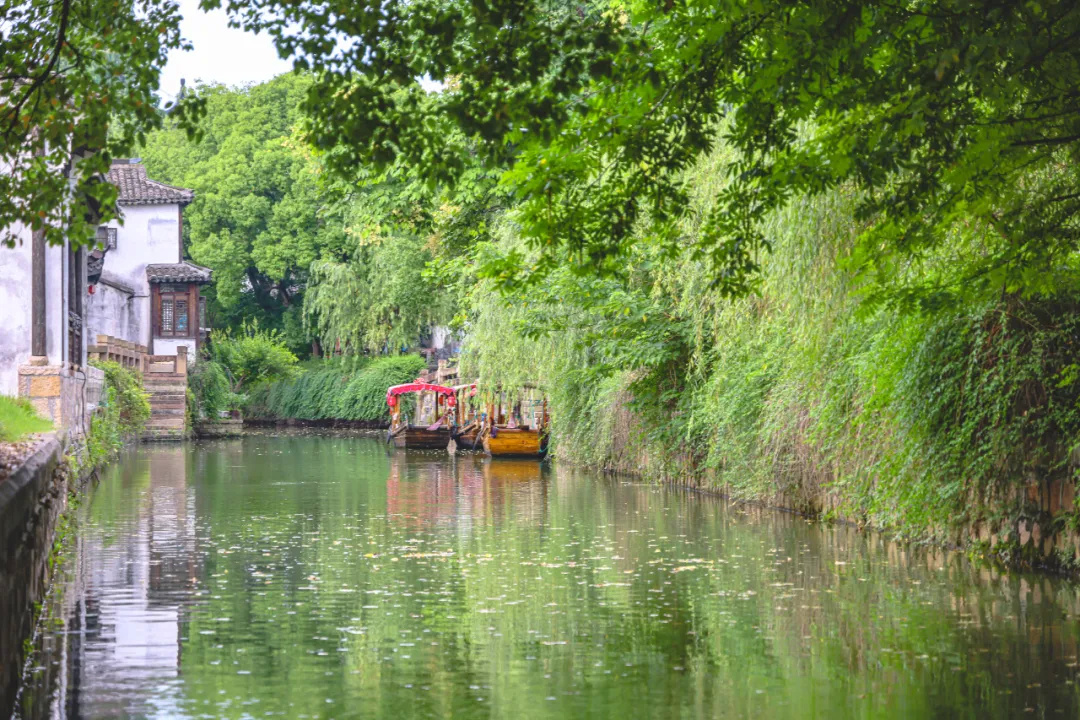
18	419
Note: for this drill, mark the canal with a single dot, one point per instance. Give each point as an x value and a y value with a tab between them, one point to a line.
325	577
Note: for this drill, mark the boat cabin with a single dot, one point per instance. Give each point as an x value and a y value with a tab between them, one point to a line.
516	426
434	414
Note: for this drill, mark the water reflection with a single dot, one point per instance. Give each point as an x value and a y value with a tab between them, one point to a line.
325	577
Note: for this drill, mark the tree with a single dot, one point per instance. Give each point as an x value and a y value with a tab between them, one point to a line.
380	300
259	218
957	121
77	88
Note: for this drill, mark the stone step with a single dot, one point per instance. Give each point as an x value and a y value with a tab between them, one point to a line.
164	378
164	435
169	421
166	388
164	412
168	393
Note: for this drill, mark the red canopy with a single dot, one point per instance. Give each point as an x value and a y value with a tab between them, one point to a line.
417	387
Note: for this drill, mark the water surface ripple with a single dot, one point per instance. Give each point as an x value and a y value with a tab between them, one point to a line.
323	577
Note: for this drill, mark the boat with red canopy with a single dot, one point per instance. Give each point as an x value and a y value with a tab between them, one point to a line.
435	416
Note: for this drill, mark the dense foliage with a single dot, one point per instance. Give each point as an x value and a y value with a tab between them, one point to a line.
126	396
78	87
939	112
251	356
122	413
329	260
336	390
210	388
802	392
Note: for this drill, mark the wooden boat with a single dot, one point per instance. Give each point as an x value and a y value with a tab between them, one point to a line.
469	418
516	442
413	437
422	436
520	431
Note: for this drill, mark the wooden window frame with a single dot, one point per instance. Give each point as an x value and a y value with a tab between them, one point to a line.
190	295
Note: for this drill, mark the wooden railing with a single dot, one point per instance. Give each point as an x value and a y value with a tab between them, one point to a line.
115	350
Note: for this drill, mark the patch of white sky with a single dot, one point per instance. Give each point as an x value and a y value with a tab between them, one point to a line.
223	54
219	54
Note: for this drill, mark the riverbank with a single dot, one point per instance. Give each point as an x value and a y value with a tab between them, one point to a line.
934	413
35	500
335	392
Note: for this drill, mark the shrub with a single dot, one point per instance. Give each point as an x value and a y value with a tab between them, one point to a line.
211	389
252	357
132	402
335	390
365	395
123	411
19	419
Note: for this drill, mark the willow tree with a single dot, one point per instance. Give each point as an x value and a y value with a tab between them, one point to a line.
940	113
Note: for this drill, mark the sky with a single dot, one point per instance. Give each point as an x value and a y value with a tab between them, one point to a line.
221	54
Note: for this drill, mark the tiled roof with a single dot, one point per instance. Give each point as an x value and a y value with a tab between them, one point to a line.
137	189
177	272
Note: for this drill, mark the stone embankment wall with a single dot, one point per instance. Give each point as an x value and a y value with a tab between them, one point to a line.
32	500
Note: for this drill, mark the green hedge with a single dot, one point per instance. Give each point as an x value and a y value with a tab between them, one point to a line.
334	390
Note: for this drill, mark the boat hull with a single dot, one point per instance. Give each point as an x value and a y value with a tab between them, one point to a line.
417	438
515	442
467	440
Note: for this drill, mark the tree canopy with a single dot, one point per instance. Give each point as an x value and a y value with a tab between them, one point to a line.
259	218
946	115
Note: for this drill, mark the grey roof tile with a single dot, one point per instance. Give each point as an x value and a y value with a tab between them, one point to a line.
137	189
178	272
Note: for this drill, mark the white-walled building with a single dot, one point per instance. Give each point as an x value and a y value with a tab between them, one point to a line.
146	293
43	329
60	314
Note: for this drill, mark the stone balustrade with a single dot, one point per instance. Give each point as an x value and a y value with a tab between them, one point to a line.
124	352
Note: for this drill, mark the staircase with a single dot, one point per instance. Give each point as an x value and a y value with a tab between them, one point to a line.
168	401
164	378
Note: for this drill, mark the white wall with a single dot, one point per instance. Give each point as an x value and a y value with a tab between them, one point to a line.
111	311
14	311
442	336
167	346
149	234
16	308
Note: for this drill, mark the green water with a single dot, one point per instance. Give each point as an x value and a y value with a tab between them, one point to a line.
317	577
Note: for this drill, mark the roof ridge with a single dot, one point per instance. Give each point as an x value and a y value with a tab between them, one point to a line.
171	187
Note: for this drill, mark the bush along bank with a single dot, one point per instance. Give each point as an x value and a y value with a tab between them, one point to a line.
933	409
121	415
336	392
